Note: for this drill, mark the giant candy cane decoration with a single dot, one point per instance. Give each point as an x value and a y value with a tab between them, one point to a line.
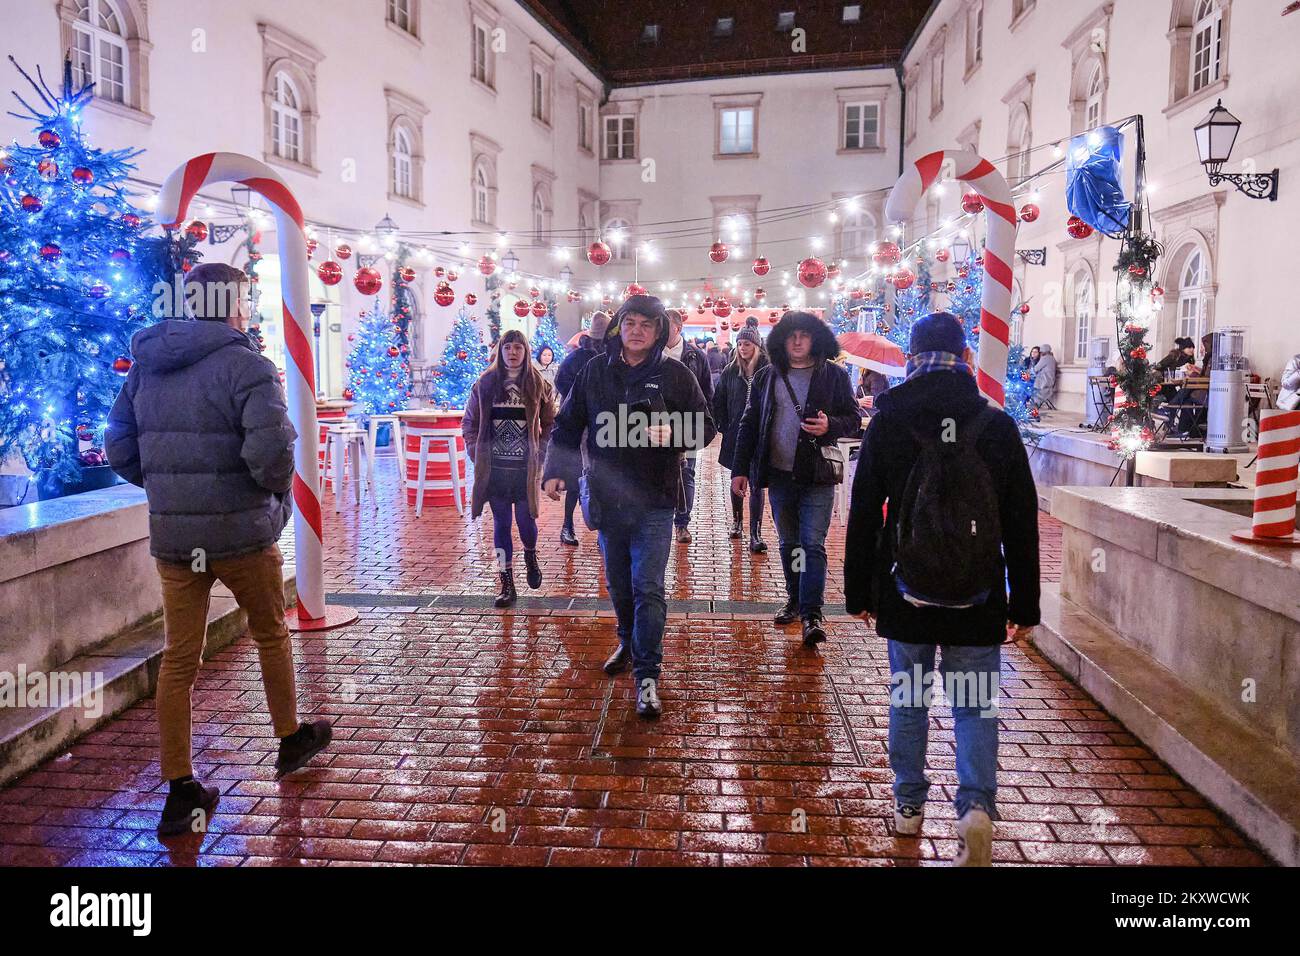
1276	471
173	202
999	249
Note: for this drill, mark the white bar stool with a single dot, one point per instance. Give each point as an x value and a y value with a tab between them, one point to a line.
454	458
844	490
396	424
347	438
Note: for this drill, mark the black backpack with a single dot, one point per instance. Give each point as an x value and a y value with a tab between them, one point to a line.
948	547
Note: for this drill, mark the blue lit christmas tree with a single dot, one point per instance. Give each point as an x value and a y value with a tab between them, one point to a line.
546	334
967	288
463	361
77	280
378	372
400	305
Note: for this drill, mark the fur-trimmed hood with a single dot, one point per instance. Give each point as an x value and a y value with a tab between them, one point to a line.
824	345
648	305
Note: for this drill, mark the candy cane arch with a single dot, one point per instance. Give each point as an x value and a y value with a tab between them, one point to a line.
1276	475
173	202
999	249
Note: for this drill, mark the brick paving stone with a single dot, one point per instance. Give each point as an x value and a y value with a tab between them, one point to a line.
449	714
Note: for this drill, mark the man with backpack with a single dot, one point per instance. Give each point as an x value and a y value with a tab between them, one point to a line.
956	567
799	407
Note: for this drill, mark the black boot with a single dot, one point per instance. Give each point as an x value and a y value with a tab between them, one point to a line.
756	543
534	569
507	595
568	537
788	614
813	630
179	812
735	530
301	745
617	662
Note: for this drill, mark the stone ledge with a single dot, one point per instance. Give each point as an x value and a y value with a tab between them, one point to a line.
41	535
1238	770
129	665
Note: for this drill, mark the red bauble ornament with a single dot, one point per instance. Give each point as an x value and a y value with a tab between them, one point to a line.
97	290
634	289
760	294
761	266
1077	228
1024	308
534	292
722	309
197	230
50	252
487	265
573	295
539	309
521	308
812	272
887	254
329	272
406	274
130	220
343	251
48	170
439	272
832	271
444	294
903	278
32	203
1137	271
598	253
368	281
452	276
771	318
1157	292
186	266
348	393
462	355
49	139
1138	353
471	298
972	202
942	255
963	270
121	365
392	351
311	247
718	252
707	303
724	326
1029	212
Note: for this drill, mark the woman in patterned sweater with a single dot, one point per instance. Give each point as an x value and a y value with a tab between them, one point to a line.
507	425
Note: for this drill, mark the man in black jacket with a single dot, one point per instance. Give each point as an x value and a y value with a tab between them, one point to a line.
695	360
574	362
799	404
640	412
936	403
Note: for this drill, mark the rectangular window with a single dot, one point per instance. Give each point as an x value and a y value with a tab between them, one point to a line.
785	21
975	35
650	33
539	95
1205	56
852	13
584	126
724	26
736	131
399	14
620	137
480	68
909	119
936	82
861	125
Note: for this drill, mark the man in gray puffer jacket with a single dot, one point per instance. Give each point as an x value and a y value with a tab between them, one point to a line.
202	426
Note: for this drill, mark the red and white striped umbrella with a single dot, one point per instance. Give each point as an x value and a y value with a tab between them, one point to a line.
874	352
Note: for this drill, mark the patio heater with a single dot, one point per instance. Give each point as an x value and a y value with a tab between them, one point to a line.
1098	352
1226	429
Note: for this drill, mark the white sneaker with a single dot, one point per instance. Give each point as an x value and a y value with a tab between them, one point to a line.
908	819
974	839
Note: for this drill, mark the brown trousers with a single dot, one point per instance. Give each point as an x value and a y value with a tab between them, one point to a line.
255	581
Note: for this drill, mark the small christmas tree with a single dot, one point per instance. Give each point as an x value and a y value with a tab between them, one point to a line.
400	306
77	281
1136	382
547	334
377	368
464	359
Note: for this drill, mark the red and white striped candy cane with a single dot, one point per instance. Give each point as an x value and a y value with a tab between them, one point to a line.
1275	473
999	250
173	202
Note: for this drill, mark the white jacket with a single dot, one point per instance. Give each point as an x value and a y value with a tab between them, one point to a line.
1290	383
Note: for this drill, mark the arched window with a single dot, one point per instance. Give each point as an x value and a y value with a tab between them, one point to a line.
403	164
1092	105
482	194
1207	44
286	119
857	230
1191	296
1018	145
541	218
1085	306
736	229
99	53
618	237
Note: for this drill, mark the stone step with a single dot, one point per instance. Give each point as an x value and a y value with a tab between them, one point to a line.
127	664
1236	768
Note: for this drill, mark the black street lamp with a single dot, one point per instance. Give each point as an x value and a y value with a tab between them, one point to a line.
1215	137
510	262
566	277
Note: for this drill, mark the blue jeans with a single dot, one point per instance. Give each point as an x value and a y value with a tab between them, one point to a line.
975	721
683	518
636	556
802	515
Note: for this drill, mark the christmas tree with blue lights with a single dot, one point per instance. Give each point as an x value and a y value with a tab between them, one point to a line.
547	334
965	302
378	372
464	359
77	281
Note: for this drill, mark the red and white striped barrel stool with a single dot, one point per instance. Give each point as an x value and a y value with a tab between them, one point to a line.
436	463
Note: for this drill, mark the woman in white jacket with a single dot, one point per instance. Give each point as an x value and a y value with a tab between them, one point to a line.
1289	396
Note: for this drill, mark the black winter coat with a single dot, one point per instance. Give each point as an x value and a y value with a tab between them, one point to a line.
830	391
573	363
729	406
884	464
627	480
694	359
